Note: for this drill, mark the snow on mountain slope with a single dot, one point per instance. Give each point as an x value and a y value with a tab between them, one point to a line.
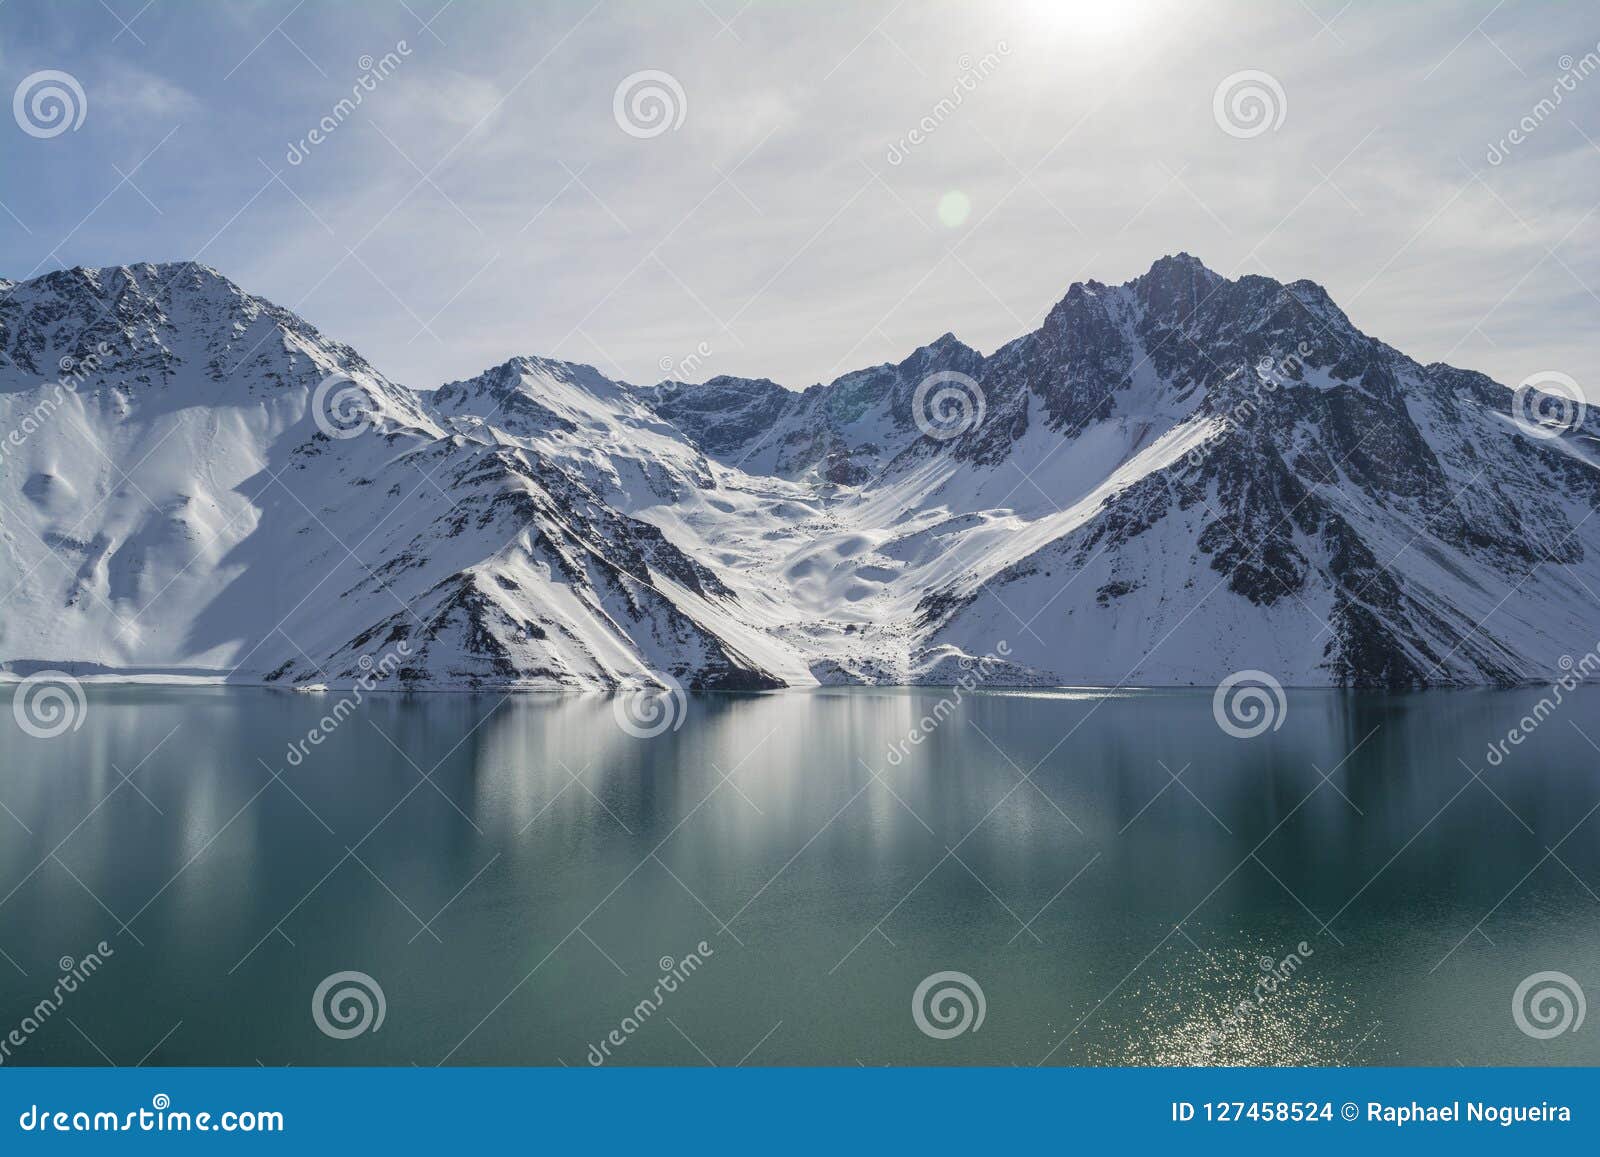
180	508
141	405
1358	519
1170	480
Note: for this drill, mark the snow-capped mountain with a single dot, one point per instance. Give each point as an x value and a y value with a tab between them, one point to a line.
1170	480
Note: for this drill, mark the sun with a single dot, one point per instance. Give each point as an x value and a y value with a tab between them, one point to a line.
1087	21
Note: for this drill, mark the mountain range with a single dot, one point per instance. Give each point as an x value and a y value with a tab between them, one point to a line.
1170	480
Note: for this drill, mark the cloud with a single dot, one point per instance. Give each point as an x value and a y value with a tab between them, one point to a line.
772	222
132	95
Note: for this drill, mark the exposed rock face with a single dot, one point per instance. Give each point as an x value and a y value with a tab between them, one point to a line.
1170	480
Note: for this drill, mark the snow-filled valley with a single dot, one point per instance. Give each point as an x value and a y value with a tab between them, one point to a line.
1170	480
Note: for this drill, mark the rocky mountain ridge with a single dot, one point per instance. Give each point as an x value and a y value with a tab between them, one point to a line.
1168	481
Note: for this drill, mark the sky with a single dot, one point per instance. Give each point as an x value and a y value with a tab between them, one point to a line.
796	189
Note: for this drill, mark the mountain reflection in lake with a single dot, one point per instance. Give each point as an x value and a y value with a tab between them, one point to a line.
1117	876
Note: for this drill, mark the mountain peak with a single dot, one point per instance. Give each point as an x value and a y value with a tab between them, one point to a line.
1176	278
1181	261
99	279
150	320
1180	272
944	349
1202	462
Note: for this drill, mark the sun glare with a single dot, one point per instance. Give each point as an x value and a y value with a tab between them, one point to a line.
1087	21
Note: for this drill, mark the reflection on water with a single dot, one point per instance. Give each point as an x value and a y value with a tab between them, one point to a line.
1115	873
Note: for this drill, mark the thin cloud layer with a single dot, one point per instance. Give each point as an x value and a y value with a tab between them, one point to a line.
816	187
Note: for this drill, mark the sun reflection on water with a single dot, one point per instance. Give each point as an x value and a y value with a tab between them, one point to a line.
1228	1003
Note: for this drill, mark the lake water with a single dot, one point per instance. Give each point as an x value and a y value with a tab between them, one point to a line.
518	874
